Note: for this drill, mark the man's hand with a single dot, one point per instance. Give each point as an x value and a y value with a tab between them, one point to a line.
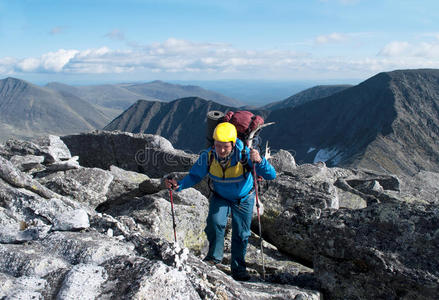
171	184
255	156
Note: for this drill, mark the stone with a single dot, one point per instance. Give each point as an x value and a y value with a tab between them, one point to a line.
64	165
53	148
283	161
27	162
85	185
384	251
71	220
143	153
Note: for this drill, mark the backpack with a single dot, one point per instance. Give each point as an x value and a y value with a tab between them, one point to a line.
245	122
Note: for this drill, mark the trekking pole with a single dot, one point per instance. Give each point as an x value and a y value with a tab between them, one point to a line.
259	220
172	210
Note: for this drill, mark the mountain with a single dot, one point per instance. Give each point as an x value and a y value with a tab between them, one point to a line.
310	94
121	96
389	123
105	95
168	92
27	110
182	121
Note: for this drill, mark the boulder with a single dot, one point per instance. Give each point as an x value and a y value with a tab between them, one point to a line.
283	161
153	213
125	185
53	148
85	185
291	204
143	153
384	251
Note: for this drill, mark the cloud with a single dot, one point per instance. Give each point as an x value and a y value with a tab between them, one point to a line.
423	50
331	38
49	62
116	34
224	60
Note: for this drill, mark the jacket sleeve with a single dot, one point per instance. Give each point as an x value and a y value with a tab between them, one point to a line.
264	168
196	173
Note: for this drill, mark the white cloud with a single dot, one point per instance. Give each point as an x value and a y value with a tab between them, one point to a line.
395	49
49	62
224	60
424	50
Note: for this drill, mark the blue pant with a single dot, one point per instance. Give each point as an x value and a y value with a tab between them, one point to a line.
219	210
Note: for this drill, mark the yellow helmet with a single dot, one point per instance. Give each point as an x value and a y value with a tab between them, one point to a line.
225	132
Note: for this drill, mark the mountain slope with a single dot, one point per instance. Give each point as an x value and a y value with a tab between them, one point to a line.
390	122
27	110
307	95
182	121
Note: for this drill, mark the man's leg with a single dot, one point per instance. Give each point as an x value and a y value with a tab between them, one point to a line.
219	210
241	221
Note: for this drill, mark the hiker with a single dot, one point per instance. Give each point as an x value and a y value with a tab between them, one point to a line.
232	192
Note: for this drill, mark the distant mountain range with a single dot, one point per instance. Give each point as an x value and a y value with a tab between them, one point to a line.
27	110
389	122
121	96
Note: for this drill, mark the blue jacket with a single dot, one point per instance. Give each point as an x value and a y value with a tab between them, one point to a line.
231	184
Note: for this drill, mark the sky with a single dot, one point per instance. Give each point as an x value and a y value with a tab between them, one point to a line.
96	41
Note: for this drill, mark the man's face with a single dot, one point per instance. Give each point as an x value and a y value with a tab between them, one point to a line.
223	149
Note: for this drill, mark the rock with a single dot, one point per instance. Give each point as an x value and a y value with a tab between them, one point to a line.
292	202
85	185
65	165
385	251
21	148
143	153
283	161
83	281
71	220
27	162
11	234
15	177
151	186
153	213
125	185
53	148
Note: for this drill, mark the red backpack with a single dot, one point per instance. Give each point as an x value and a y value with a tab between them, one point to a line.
244	121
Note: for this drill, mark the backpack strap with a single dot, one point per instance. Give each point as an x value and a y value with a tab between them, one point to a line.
209	180
244	162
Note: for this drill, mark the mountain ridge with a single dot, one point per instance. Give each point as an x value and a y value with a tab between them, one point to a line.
389	123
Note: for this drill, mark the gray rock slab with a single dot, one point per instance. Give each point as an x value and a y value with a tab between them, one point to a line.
71	220
384	251
85	185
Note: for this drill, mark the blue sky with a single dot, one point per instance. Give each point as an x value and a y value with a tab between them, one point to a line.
96	41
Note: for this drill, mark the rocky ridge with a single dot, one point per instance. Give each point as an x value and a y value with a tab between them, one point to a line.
73	228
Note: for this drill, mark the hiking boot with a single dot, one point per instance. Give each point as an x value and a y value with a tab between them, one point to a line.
211	261
243	276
